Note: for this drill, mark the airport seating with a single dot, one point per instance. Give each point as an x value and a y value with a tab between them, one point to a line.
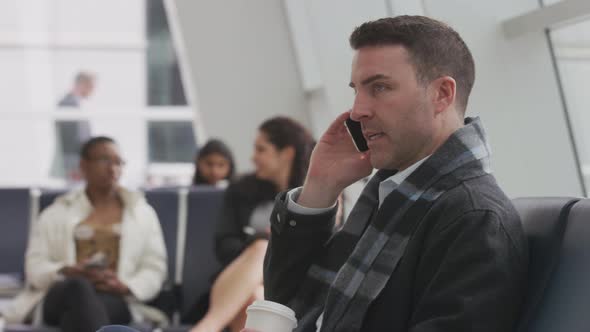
560	269
165	203
200	264
15	212
545	221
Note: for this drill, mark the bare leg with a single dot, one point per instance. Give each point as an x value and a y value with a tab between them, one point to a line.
234	288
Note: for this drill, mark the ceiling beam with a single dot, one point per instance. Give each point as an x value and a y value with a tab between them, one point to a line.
558	14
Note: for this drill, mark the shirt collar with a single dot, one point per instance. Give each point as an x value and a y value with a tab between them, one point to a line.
388	185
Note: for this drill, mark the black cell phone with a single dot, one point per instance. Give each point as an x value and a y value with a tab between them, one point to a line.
356	133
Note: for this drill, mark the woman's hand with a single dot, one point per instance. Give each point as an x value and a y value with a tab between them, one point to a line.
73	271
110	283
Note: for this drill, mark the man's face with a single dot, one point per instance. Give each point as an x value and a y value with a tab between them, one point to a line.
394	109
102	169
86	88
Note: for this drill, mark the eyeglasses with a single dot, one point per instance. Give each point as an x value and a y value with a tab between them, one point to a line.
106	162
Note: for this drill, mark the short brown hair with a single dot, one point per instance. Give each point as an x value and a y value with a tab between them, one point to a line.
435	49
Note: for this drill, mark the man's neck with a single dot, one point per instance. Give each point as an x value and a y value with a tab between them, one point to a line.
447	130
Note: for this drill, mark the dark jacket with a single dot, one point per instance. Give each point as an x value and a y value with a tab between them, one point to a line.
241	198
464	268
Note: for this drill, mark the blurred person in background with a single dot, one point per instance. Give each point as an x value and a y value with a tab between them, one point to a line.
71	134
82	88
95	254
214	165
281	157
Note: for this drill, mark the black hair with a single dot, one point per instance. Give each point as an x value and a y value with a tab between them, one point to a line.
434	48
213	146
91	143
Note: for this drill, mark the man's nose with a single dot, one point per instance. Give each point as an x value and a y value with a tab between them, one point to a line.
361	109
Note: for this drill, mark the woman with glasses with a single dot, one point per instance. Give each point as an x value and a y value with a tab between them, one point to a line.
95	254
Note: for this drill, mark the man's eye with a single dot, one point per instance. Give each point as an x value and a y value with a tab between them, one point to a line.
379	88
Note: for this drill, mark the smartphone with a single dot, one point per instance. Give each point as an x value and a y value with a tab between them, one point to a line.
356	133
96	261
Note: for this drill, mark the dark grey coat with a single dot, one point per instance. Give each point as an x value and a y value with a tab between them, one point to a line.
464	268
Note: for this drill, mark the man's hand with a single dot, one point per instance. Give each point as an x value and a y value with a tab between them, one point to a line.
335	164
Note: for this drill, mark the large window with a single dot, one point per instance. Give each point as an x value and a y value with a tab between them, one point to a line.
164	83
171	141
171	138
74	69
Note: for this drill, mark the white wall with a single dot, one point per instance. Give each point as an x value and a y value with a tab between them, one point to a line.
516	94
572	51
329	23
243	68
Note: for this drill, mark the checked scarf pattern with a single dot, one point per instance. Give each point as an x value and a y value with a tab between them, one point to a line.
359	259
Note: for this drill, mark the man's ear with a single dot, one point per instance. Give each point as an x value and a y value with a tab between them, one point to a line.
444	93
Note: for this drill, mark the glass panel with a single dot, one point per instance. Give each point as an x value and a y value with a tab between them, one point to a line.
572	52
70	137
171	142
164	82
118	77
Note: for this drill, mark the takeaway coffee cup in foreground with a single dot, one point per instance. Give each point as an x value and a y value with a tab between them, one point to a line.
268	316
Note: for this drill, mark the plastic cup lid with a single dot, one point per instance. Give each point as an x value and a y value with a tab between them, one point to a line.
274	307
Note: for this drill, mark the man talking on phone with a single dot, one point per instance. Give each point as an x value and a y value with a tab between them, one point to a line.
432	244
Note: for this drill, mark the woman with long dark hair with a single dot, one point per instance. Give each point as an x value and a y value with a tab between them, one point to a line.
281	158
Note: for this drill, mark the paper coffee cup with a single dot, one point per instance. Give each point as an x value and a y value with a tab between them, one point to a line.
268	316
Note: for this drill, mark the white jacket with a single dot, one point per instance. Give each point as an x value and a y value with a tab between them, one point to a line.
142	262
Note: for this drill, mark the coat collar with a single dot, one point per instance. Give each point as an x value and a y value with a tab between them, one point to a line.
79	197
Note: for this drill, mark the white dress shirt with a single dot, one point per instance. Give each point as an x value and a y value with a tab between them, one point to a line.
385	188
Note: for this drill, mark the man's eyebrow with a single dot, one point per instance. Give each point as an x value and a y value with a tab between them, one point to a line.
370	79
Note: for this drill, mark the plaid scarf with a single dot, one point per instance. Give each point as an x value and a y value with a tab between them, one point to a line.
360	258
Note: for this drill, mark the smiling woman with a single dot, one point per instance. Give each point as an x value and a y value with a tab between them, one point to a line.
281	157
